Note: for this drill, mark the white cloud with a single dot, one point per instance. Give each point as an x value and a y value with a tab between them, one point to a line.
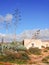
43	34
8	17
1	18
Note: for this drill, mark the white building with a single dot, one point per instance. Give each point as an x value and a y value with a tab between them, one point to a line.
35	43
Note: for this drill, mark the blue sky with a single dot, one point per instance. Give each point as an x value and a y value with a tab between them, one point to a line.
34	13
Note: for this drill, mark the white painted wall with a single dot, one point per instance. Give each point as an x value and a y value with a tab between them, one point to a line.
37	43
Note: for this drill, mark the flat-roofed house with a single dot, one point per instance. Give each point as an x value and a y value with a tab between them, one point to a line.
35	43
45	43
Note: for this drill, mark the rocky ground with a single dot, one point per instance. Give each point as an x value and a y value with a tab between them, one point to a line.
37	60
34	59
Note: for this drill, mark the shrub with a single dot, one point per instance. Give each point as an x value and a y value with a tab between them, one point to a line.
45	60
8	57
47	48
24	56
0	48
20	57
20	48
20	61
17	55
42	46
35	51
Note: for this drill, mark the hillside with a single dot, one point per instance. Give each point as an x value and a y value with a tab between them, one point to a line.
28	34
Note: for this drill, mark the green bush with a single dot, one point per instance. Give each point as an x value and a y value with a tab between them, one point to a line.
47	57
24	56
20	61
7	58
35	51
45	60
10	57
0	48
20	57
20	48
47	48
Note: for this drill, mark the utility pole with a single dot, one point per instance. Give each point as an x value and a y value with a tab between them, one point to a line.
36	34
2	43
17	18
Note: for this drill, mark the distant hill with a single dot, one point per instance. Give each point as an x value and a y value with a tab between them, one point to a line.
42	34
39	34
